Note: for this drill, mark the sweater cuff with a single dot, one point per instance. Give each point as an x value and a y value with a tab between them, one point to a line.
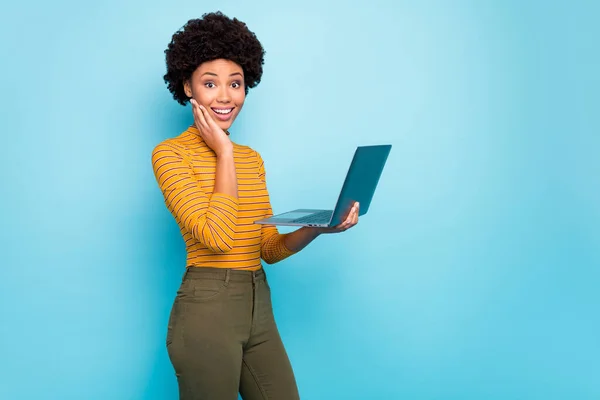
277	248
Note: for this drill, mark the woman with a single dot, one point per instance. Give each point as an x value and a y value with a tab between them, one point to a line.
222	337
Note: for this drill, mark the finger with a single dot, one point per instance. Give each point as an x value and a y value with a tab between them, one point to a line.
351	215
202	118
344	226
195	106
347	221
196	111
340	228
198	116
209	119
352	219
210	122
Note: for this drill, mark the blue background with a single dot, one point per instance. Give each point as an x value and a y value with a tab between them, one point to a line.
474	276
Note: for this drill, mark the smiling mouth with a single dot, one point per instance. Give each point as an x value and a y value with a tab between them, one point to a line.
223	111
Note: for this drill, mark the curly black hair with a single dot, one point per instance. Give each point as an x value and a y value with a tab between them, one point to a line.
212	37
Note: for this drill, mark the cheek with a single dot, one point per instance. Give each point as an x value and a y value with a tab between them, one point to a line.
239	100
203	96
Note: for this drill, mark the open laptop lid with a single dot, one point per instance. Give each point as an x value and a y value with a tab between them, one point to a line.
361	180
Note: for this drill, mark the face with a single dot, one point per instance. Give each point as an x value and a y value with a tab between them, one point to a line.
218	85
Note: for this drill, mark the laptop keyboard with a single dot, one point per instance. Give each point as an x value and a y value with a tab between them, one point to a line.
321	217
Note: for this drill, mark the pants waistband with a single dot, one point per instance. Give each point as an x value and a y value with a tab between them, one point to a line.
225	274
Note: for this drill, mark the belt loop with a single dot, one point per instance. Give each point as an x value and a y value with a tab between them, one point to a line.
227	275
253	277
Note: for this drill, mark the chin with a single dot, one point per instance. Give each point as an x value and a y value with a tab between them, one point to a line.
225	125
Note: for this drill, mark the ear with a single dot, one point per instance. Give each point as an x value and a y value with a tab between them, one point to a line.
187	88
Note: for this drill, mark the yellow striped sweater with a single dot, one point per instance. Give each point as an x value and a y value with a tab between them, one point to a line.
218	229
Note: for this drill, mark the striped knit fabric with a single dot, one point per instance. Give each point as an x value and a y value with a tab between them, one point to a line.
218	229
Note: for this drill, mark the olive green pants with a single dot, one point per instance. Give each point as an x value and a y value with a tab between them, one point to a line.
222	338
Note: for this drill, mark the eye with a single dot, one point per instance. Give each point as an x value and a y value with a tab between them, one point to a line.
209	85
236	85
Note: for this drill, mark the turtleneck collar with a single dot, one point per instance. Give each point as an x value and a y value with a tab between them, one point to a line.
193	130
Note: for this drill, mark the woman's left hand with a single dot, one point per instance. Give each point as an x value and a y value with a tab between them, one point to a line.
298	239
351	220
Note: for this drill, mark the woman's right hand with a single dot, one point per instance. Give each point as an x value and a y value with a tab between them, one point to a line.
212	134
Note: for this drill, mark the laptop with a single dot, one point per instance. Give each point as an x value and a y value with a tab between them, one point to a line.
360	183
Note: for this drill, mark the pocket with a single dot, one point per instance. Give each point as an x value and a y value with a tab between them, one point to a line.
200	290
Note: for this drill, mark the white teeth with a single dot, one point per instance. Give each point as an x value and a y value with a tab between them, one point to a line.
223	111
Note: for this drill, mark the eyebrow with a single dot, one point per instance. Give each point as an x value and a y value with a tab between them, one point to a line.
213	74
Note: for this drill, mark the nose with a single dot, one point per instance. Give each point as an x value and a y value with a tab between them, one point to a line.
223	95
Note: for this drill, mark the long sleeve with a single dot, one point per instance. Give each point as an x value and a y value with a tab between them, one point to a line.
211	220
272	245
